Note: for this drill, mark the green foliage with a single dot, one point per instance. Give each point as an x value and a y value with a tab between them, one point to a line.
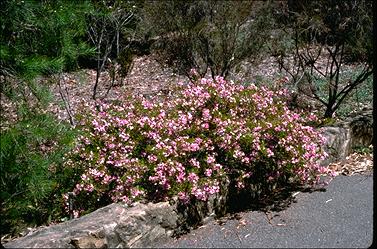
42	37
37	38
364	150
32	176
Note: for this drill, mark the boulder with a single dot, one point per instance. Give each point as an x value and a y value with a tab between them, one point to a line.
343	137
361	126
112	226
338	143
120	226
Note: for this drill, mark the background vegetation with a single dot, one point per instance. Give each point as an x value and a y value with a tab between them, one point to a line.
323	47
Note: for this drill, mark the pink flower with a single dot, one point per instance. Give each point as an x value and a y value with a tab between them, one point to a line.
245	159
194	147
206	114
152	158
194	163
192	177
199	194
210	159
76	214
184	197
211	189
217	166
270	153
181	177
147	104
208	172
240	185
205	126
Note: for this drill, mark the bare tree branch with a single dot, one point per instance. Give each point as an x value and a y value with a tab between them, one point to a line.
65	97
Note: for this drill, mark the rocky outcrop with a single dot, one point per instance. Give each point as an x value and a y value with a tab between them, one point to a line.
113	226
361	126
338	143
343	137
119	226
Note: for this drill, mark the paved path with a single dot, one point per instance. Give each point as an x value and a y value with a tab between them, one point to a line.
340	217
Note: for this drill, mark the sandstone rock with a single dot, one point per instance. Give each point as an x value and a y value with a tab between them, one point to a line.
345	136
338	143
146	224
109	227
362	129
88	242
119	226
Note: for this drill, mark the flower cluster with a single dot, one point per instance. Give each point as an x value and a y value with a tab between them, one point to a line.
186	145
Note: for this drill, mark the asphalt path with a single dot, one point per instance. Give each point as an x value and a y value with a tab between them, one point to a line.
340	217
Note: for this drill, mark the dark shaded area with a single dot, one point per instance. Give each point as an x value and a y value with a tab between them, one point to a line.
277	200
237	202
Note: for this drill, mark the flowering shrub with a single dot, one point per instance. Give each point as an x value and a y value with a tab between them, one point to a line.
187	144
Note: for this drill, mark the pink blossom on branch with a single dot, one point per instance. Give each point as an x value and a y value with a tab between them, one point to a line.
185	145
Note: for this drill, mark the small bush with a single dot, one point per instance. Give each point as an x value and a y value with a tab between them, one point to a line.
212	130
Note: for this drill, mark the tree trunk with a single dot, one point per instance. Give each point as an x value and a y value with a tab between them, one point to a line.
329	112
96	84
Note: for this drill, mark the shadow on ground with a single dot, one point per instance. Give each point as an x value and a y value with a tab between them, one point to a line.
276	201
237	202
